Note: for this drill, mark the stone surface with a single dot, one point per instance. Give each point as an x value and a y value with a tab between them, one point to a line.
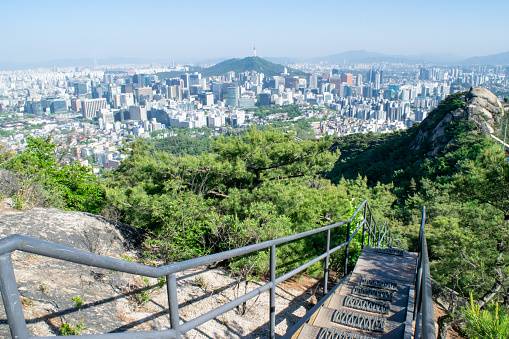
482	107
113	301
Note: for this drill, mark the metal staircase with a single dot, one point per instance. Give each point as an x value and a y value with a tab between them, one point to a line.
375	301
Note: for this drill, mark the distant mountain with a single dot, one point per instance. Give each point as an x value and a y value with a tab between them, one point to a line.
493	59
249	64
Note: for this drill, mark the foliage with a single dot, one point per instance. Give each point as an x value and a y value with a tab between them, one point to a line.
68	329
182	145
253	187
491	323
43	179
77	301
263	112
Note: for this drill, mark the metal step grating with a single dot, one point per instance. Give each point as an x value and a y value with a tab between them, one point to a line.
373	293
329	333
386	250
372	306
358	320
387	285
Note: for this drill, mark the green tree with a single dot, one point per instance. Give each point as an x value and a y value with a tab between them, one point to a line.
44	180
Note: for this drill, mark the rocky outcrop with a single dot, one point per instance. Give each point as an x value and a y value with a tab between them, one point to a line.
479	106
117	302
47	286
84	231
483	106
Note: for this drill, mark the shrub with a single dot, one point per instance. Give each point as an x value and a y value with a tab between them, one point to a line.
490	323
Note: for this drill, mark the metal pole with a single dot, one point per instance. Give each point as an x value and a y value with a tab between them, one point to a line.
346	250
11	299
273	291
363	225
370	227
326	269
171	285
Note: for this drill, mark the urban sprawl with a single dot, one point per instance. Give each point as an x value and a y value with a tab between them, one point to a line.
94	111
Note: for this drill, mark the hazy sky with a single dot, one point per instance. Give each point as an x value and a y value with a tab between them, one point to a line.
45	30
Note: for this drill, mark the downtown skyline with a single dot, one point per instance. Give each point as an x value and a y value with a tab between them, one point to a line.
166	30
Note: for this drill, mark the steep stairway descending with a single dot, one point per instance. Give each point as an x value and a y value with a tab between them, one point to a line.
375	302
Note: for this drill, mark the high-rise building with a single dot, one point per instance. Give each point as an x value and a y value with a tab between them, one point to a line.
233	95
80	88
313	81
89	107
348	78
138	113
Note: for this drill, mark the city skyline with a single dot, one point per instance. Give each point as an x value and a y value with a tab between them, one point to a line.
159	30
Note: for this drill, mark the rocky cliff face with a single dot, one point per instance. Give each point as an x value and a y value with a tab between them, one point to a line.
479	106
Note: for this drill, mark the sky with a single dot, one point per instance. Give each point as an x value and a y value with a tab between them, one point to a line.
32	31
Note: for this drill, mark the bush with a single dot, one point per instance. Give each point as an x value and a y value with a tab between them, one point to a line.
490	323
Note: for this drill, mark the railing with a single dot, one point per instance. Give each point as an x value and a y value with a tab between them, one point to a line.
377	236
423	306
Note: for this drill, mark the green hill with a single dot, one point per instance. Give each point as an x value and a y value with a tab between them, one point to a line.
450	165
238	66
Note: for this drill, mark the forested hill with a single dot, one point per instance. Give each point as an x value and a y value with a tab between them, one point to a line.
448	164
454	126
247	64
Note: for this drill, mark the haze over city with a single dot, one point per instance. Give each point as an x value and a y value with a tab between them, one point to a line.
36	31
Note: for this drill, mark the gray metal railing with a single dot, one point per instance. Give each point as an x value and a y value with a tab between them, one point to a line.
423	306
377	236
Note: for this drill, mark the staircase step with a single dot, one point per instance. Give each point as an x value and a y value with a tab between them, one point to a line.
389	251
373	293
358	320
313	332
367	305
392	329
387	285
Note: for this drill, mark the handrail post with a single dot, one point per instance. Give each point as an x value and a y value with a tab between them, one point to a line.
11	299
326	268
273	291
173	304
346	248
370	227
364	225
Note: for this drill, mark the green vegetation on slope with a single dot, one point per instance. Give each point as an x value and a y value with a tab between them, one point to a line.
464	188
247	64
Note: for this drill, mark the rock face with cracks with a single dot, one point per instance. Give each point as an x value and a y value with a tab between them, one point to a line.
111	301
480	106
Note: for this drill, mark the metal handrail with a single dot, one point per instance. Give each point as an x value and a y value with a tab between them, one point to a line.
423	306
14	312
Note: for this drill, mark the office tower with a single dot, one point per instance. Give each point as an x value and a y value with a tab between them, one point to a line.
313	81
58	106
75	105
80	88
138	113
348	78
89	107
359	80
185	78
264	99
232	96
127	88
194	79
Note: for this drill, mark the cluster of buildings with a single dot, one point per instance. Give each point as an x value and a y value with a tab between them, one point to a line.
104	107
